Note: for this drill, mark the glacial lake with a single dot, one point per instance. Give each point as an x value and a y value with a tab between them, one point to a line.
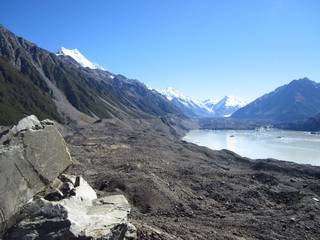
299	147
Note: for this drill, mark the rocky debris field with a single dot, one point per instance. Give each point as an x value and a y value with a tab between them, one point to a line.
179	190
135	179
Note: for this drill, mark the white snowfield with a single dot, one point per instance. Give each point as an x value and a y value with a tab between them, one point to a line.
232	101
223	108
79	58
171	93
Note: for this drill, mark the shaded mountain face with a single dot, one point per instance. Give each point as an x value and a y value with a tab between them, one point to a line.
311	124
207	108
35	81
298	100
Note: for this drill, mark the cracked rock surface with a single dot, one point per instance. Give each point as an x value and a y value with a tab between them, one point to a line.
33	155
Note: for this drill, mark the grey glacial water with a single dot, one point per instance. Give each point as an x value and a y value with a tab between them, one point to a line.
299	147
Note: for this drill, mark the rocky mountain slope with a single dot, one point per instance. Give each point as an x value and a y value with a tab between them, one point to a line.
189	106
202	109
311	124
297	100
33	80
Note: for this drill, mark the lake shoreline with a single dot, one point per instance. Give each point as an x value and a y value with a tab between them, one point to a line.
296	146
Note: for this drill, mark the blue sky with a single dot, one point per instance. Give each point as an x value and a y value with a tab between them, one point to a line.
205	48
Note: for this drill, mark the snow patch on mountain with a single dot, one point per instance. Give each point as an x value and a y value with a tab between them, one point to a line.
171	94
79	58
207	108
231	101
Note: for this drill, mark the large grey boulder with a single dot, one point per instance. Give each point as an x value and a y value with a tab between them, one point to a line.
34	154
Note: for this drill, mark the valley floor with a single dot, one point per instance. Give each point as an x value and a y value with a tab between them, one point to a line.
179	190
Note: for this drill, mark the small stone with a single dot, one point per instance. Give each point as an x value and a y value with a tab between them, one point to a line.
47	122
292	219
55	195
131	232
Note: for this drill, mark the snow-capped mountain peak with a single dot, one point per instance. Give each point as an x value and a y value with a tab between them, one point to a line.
228	105
207	108
79	58
211	101
171	93
231	101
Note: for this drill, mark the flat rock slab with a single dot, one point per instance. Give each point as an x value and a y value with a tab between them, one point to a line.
96	218
80	216
91	216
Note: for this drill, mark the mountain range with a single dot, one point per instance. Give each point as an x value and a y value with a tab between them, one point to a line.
298	100
67	87
207	108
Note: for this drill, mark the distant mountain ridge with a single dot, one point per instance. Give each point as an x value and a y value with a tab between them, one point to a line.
207	108
298	100
36	81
